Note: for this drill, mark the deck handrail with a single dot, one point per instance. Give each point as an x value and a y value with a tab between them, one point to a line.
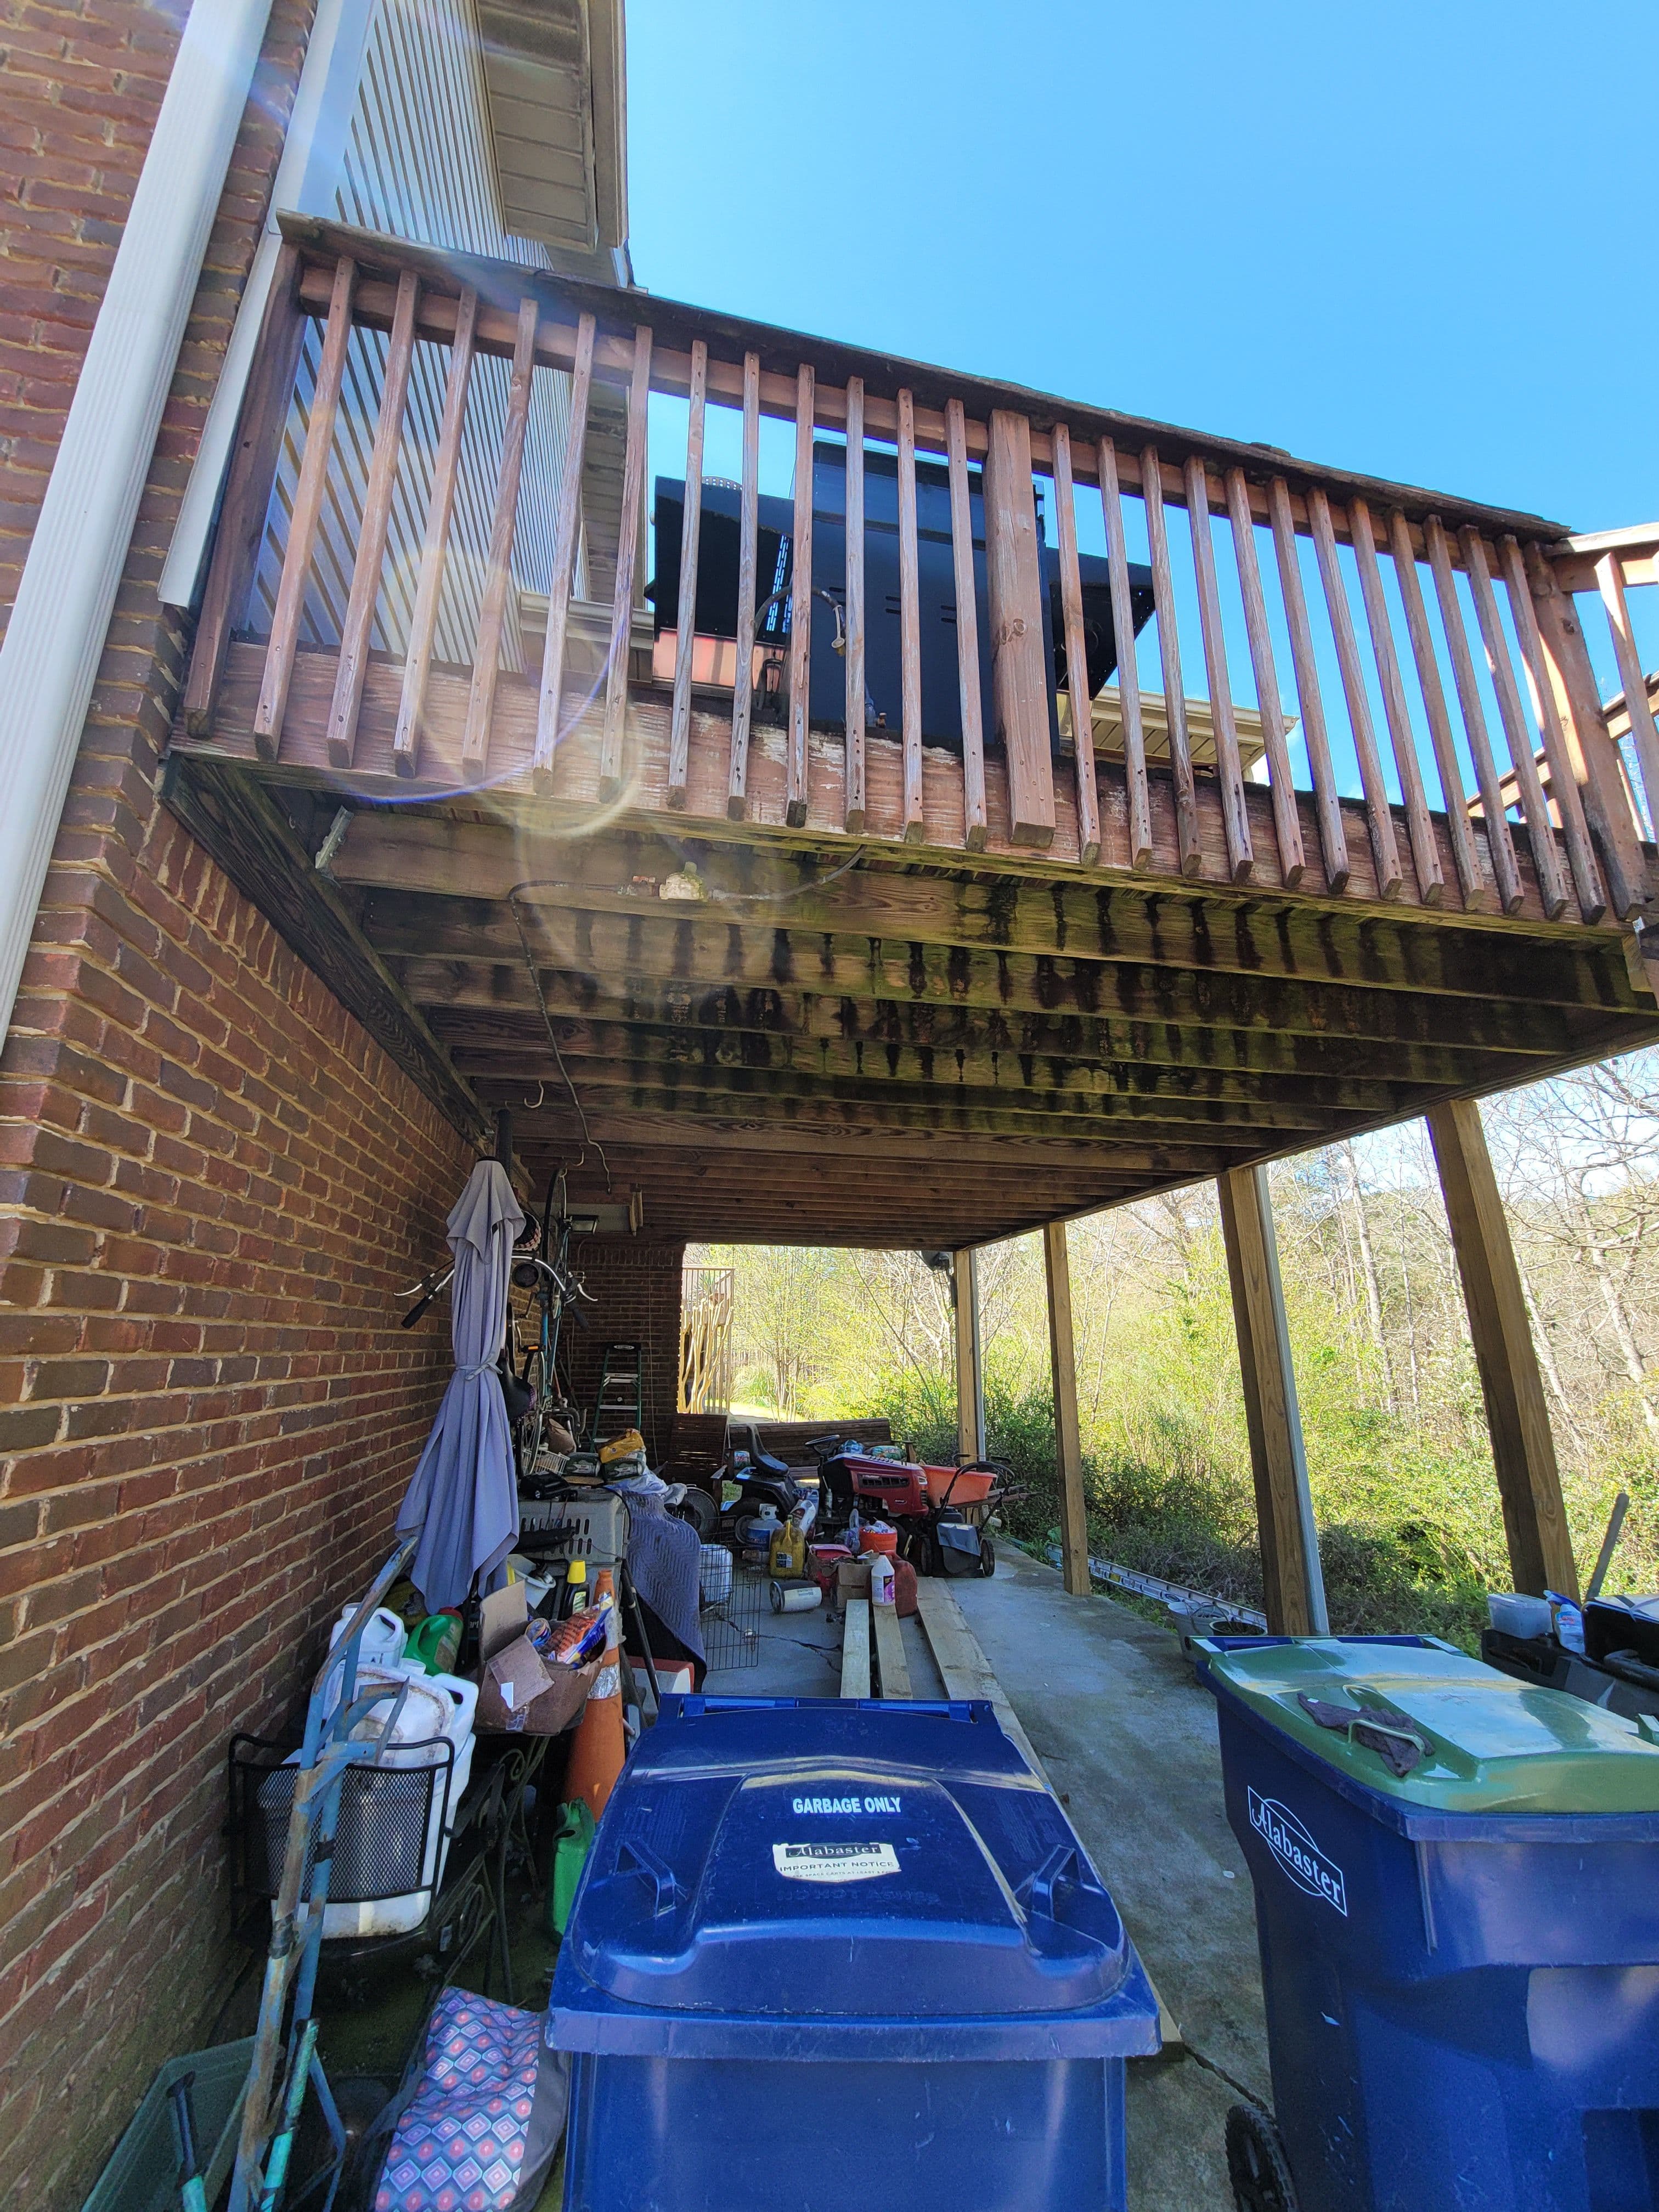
1395	570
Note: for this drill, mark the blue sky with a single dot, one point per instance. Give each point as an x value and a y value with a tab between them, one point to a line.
1412	240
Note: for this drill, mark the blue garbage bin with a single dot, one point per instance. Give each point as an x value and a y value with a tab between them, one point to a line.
1457	1897
829	1953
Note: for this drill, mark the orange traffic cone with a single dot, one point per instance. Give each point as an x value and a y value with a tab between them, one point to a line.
596	1756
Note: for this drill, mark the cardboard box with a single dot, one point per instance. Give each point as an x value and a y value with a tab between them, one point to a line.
852	1580
520	1694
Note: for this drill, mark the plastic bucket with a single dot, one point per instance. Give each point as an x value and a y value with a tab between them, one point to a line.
874	1539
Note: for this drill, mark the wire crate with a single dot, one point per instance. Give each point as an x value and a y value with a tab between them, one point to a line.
730	1620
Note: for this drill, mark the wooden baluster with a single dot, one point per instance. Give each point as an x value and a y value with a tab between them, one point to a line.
247	490
742	674
289	609
356	631
1187	842
975	819
1287	822
1425	849
1229	775
1128	677
800	608
1458	825
1077	657
566	538
1610	582
614	737
853	818
685	621
1378	811
1332	835
910	619
498	572
1500	846
1592	757
440	504
1564	784
1013	592
1545	857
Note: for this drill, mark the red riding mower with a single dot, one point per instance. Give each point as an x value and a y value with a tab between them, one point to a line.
924	1504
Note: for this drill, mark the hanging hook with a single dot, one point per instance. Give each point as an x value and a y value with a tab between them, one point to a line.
534	1105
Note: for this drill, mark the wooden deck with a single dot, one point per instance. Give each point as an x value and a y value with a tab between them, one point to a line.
824	980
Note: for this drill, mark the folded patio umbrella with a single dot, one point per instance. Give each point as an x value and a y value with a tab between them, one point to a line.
463	1500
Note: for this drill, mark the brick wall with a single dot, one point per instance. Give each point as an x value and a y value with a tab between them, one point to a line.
637	1287
212	1185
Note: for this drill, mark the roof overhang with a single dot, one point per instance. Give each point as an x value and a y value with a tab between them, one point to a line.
555	72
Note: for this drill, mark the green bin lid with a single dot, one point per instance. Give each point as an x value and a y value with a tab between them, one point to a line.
1494	1745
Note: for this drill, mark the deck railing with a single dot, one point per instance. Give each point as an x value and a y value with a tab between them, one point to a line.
1409	671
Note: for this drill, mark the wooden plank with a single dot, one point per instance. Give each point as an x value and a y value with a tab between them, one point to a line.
974	818
439	506
1332	837
1229	774
1128	676
964	1314
1190	845
853	815
1545	858
967	1675
1523	1450
1287	821
498	570
1293	1588
1645	736
800	606
894	1674
290	608
1564	783
613	740
1020	677
1076	657
743	695
909	620
247	491
1426	852
1458	825
366	572
855	1649
1609	808
1500	846
1068	1440
685	621
567	539
1378	812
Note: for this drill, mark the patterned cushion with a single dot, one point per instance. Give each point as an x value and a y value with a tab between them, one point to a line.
460	2143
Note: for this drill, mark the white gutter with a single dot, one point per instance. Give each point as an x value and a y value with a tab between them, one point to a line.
55	638
308	178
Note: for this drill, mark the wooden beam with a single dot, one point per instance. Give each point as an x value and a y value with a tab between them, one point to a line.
1189	844
894	1674
1287	820
974	818
429	592
1378	813
611	746
1500	846
1295	1590
971	1385
1332	834
1077	692
498	566
247	490
685	621
240	823
1068	1441
1229	775
855	1649
1019	674
1523	1448
804	894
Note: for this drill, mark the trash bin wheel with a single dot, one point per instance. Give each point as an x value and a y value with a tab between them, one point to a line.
1257	2164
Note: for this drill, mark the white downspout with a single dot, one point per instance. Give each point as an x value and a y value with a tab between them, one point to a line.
55	638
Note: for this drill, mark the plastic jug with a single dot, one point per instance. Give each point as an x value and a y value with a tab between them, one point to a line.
435	1644
881	1578
383	1639
789	1552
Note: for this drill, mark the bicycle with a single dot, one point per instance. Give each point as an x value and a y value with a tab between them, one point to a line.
533	1369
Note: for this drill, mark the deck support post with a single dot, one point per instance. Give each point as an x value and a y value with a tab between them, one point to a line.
1294	1585
1523	1448
970	1380
1068	1441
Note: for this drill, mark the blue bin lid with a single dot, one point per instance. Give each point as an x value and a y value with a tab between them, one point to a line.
803	1876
